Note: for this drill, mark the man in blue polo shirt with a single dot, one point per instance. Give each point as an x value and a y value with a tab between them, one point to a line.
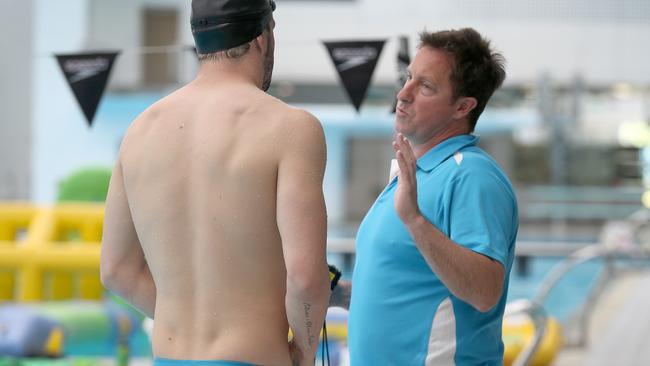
435	250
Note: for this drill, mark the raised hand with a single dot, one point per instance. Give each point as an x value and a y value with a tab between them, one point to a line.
406	195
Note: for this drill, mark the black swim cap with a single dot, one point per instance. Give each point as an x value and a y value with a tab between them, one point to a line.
218	25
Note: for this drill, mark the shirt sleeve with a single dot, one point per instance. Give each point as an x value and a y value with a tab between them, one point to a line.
482	214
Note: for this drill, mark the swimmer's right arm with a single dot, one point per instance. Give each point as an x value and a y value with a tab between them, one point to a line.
302	222
123	268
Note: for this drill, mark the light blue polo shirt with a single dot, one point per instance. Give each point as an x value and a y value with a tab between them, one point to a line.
400	313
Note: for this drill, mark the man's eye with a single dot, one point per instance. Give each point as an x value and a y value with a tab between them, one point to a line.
427	89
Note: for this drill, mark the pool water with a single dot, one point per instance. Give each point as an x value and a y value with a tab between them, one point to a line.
568	294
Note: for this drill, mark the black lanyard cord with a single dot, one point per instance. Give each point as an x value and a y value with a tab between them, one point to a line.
325	348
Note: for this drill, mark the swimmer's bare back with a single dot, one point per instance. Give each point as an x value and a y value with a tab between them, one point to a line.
220	186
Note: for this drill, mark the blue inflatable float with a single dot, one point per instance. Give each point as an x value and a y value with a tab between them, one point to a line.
44	329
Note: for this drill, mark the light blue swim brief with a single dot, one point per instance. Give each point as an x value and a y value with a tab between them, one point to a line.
169	362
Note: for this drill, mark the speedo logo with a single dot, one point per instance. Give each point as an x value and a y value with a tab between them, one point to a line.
81	69
348	58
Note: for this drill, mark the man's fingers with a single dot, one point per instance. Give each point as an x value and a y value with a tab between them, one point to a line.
407	148
406	159
401	164
400	161
405	170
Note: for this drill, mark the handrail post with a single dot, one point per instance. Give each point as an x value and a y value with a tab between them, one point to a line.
538	316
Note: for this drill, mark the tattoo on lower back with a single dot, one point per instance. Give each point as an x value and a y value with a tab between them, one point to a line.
308	324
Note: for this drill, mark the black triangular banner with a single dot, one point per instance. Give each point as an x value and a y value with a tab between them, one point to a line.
403	61
87	75
355	61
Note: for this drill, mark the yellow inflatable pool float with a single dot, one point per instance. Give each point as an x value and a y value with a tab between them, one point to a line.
519	330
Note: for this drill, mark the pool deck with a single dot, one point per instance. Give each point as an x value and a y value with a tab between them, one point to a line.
619	332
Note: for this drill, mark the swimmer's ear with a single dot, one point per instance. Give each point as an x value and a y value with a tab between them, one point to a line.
260	41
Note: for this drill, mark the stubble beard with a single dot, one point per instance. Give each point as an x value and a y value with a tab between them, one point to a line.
400	126
268	69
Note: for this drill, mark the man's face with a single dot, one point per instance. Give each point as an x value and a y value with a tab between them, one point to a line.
269	58
426	106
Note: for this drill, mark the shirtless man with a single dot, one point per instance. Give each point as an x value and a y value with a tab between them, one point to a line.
215	220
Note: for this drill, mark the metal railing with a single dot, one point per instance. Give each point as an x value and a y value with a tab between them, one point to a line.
538	316
534	308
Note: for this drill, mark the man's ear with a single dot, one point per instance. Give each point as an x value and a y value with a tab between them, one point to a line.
261	42
464	106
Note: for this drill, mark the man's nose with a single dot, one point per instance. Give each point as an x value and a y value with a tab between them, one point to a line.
405	95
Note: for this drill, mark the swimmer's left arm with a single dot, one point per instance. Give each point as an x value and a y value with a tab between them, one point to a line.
123	268
302	223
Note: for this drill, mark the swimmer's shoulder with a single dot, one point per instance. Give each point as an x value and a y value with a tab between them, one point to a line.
301	125
159	109
293	118
301	132
143	123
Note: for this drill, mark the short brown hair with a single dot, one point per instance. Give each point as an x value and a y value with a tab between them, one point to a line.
477	70
231	53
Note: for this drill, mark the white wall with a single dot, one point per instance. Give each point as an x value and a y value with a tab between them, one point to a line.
16	47
602	49
62	140
601	40
115	26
